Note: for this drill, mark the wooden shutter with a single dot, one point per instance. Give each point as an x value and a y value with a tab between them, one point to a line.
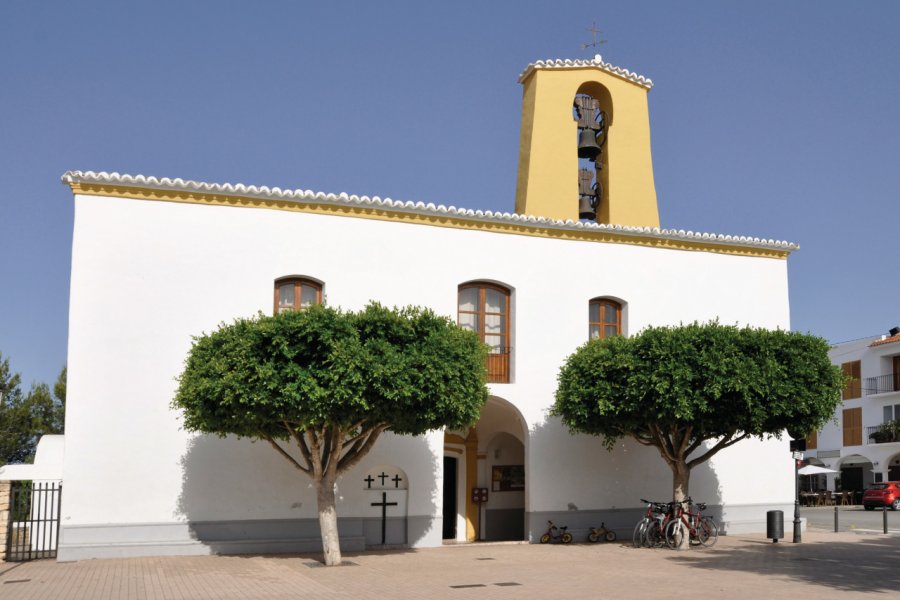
897	376
812	440
853	389
852	427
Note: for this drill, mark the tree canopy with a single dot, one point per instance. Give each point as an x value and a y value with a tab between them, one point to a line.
676	388
25	417
330	382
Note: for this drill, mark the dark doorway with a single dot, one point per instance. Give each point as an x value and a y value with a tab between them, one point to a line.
852	479
449	498
893	473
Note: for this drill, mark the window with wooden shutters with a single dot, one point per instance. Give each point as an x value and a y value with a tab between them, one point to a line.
604	318
484	309
853	387
852	426
812	440
296	293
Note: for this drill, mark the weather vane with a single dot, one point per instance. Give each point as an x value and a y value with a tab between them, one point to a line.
595	36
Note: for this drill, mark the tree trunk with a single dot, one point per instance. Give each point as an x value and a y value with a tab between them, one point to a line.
331	543
681	479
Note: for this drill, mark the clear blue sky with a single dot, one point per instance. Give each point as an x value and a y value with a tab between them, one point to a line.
773	119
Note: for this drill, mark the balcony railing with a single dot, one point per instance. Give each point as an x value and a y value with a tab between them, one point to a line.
885	433
498	365
883	384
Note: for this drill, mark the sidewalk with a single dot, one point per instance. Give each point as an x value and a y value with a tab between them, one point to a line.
825	565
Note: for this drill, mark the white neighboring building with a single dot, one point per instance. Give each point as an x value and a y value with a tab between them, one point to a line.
156	261
856	443
47	466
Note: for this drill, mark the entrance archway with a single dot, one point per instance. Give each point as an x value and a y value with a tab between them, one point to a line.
490	455
857	473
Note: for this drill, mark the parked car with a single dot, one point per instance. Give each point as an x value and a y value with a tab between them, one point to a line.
883	494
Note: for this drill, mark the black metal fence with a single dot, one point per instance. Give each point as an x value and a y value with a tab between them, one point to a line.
882	384
33	530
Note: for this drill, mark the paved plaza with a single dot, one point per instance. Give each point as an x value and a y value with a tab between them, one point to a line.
826	565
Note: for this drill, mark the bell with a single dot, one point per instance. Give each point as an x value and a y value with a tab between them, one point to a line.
587	207
587	144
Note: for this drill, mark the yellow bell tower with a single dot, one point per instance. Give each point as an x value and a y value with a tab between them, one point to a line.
548	179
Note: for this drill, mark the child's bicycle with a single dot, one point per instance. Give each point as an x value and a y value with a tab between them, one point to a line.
601	534
556	535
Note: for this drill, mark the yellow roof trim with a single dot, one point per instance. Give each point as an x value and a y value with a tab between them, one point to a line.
544	230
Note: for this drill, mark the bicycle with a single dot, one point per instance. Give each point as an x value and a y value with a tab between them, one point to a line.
701	529
556	535
650	522
654	534
601	534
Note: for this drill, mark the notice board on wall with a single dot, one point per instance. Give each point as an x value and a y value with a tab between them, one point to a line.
508	478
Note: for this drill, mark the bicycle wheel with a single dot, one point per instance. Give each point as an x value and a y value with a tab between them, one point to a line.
707	532
637	538
653	535
545	538
610	536
567	538
592	537
675	534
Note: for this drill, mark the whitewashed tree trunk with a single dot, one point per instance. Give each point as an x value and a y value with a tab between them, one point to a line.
331	545
681	480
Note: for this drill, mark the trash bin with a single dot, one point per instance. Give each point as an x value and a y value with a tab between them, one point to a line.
775	525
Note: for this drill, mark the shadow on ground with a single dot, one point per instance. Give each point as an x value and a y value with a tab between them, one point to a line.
861	565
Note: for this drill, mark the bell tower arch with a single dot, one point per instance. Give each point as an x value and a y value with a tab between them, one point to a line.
550	179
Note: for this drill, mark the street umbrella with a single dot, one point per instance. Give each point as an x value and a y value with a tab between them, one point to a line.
814	470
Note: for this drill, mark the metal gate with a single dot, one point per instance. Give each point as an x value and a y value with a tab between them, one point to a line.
33	520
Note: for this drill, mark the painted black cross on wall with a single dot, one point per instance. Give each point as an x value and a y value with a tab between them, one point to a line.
384	504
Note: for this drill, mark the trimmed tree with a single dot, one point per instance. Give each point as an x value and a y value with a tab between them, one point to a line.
694	390
329	383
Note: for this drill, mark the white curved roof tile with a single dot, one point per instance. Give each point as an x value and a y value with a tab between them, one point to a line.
266	193
597	62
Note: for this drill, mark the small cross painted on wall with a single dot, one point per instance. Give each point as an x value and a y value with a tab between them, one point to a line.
382	477
397	479
369	479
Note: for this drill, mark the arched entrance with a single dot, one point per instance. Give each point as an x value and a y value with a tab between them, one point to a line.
857	473
893	469
488	456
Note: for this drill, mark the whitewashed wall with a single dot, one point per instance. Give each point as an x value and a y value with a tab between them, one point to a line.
146	276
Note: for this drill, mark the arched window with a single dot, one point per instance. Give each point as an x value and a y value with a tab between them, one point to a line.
484	309
296	293
604	318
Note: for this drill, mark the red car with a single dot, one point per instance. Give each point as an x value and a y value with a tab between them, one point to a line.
883	494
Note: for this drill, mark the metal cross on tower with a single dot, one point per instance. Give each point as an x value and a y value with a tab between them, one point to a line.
595	36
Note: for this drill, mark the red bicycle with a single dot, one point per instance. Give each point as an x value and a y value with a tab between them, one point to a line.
698	528
649	531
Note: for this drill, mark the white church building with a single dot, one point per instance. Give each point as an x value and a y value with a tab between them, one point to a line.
156	261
